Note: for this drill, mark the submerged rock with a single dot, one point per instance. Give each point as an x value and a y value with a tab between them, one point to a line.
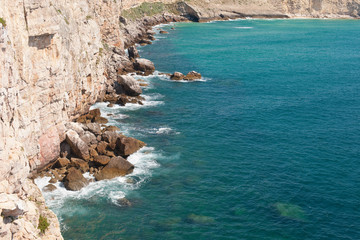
177	76
124	202
163	32
290	211
74	180
117	166
199	219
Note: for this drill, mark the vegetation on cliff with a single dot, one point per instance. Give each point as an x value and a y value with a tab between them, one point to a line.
149	9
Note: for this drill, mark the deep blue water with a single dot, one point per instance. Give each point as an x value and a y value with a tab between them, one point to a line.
266	148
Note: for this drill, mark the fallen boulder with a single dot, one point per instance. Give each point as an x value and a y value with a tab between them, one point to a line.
78	146
144	65
117	166
61	162
101	160
74	180
128	145
80	164
129	85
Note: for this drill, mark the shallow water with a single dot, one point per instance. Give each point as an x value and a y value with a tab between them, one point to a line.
265	147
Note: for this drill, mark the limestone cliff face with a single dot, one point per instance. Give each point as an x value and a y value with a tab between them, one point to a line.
277	8
57	59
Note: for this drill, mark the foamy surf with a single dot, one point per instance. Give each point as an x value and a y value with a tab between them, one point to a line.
144	161
244	27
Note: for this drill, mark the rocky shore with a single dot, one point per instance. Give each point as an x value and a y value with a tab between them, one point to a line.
58	59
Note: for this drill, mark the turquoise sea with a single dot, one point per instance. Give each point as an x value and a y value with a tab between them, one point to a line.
266	146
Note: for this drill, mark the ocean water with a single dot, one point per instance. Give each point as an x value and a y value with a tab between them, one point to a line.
265	146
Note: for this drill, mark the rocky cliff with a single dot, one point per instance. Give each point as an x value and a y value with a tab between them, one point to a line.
58	57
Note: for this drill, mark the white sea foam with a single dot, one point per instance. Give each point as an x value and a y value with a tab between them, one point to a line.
144	160
244	27
166	131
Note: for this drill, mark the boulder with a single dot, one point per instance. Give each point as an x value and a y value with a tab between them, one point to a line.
192	76
133	52
49	188
78	146
93	152
77	127
101	147
101	160
111	129
145	42
74	180
144	65
124	202
111	137
129	85
177	76
61	162
94	128
100	120
79	164
163	32
89	138
117	166
94	113
128	145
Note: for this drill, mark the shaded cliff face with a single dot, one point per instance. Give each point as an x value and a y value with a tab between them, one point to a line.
57	59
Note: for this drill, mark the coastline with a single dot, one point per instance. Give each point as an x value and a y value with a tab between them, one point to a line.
142	26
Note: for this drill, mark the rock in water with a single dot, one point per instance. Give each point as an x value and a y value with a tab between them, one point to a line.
199	219
74	180
49	188
117	166
124	202
177	76
163	32
129	85
192	76
78	146
133	52
144	65
128	145
290	211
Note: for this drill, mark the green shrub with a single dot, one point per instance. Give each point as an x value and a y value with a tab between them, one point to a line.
43	224
148	9
3	22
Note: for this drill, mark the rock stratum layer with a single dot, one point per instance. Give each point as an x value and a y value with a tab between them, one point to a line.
57	58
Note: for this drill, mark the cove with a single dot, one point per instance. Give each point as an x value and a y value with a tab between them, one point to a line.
265	147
